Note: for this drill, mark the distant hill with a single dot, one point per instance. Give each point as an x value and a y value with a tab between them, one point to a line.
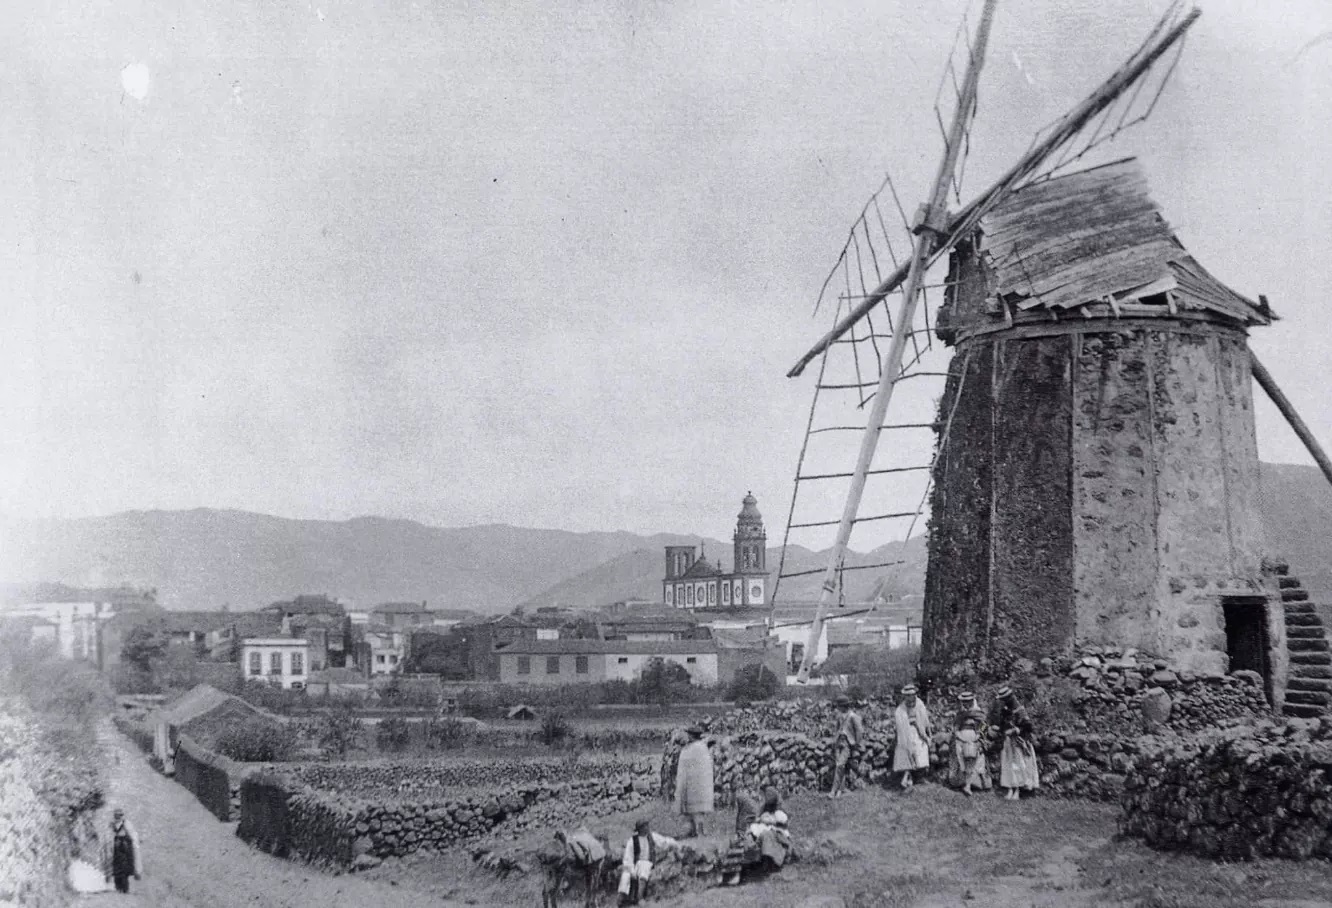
207	558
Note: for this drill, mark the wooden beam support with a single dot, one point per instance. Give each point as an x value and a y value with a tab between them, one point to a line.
1268	384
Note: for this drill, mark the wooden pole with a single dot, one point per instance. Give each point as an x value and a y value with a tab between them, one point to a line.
1268	384
928	233
1068	127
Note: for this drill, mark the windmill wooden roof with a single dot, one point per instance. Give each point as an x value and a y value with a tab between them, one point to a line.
1097	239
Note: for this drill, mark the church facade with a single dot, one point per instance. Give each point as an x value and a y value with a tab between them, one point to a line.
693	582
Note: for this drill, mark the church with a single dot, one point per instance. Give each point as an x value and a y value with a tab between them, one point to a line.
693	582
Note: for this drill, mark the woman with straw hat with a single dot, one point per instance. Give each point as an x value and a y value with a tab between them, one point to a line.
1018	770
912	723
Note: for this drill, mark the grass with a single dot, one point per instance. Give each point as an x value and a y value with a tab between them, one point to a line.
931	848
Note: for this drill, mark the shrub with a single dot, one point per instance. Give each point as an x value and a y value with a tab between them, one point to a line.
876	671
393	734
753	682
554	729
448	734
662	683
256	741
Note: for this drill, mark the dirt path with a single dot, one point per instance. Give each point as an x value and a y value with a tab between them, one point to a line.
193	861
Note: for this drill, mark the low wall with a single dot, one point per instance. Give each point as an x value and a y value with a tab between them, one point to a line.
333	814
136	731
1254	790
212	778
1091	709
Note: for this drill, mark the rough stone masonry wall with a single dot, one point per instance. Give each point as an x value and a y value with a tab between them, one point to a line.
1092	711
1255	790
342	814
210	777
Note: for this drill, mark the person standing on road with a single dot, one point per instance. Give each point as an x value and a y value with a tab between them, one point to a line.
848	739
693	781
126	855
912	723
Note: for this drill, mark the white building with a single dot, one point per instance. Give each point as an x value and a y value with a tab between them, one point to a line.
74	627
281	661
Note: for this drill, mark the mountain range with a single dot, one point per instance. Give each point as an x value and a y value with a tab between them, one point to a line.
204	558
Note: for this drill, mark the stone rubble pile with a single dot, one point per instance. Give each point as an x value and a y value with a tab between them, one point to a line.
1258	789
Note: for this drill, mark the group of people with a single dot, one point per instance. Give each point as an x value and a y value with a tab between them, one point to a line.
1006	728
97	863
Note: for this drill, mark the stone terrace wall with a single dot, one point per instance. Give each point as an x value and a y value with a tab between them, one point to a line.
1091	711
1253	790
356	814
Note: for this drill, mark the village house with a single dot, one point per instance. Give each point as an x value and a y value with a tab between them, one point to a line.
306	604
381	649
645	628
401	615
328	636
279	661
568	661
73	628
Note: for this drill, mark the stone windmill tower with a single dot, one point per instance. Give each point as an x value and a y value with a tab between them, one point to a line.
1100	480
1095	472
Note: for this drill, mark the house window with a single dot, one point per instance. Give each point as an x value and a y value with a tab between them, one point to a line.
256	664
580	665
380	660
298	685
297	664
552	665
275	663
524	665
623	660
393	660
690	660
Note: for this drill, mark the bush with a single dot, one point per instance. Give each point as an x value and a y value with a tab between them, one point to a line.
554	729
271	698
752	683
393	734
448	734
876	671
256	741
662	682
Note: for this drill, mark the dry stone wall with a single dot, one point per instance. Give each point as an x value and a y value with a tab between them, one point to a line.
1252	790
357	814
211	777
1091	709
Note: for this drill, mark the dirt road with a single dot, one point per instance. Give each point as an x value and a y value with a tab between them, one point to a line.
193	861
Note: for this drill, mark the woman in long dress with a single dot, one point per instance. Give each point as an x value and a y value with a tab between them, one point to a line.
1018	770
911	721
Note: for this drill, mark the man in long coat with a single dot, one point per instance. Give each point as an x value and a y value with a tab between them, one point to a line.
912	723
693	781
124	856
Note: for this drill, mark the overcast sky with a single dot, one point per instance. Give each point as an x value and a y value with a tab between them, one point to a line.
544	264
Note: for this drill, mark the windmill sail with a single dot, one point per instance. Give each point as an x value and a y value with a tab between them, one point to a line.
876	371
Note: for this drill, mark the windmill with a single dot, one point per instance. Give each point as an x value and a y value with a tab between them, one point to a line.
938	236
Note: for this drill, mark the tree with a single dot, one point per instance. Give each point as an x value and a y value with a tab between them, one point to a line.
753	682
340	730
142	647
662	682
877	670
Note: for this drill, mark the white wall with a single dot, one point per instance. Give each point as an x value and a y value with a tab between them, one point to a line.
702	671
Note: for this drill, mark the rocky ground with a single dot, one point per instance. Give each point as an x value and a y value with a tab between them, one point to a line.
933	848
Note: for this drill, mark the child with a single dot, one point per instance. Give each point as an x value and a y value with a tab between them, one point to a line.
967	740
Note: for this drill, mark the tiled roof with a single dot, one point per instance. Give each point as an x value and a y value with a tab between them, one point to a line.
400	608
609	647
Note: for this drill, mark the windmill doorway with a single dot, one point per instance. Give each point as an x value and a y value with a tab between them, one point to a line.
1247	637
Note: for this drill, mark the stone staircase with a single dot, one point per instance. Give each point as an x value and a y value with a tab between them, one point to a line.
1309	687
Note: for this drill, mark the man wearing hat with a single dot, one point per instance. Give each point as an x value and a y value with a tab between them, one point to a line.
848	739
640	853
912	723
693	780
